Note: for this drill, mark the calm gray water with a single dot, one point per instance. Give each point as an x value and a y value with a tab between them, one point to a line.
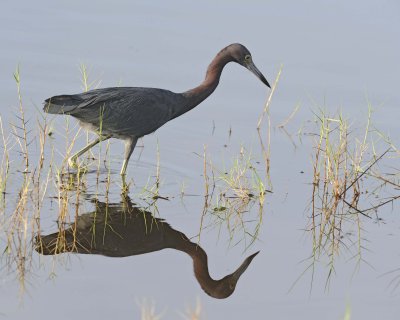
334	55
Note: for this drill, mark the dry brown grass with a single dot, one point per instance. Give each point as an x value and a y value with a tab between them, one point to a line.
346	176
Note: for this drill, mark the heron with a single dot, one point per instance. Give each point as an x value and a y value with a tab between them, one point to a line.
129	113
123	230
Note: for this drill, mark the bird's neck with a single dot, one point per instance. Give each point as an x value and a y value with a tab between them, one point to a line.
195	96
200	266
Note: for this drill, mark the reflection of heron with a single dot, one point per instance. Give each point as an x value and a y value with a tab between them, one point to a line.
130	113
121	230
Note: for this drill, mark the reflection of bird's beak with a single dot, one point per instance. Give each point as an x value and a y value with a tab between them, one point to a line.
236	275
251	66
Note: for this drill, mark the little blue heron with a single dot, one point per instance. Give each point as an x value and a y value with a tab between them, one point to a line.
130	113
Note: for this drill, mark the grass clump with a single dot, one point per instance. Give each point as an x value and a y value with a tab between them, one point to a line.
230	194
346	176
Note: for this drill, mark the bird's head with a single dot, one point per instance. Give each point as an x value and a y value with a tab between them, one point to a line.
226	286
241	55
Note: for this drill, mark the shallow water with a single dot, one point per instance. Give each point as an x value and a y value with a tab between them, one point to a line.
335	56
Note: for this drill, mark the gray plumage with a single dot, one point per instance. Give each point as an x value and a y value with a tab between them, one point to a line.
130	113
121	111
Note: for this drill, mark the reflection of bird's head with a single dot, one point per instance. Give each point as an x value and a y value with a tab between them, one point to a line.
226	286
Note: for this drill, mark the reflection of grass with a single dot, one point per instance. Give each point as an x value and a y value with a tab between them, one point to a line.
148	311
231	193
394	283
347	313
193	314
342	182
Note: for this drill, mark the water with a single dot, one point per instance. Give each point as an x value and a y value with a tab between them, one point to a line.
334	55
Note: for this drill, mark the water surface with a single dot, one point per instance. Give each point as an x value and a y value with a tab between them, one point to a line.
334	56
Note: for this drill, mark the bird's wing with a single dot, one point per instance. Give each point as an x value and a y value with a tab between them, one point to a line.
129	111
70	104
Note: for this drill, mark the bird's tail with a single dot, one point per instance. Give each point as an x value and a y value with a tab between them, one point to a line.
54	243
64	104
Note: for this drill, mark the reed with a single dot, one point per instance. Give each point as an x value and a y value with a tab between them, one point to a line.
230	195
343	159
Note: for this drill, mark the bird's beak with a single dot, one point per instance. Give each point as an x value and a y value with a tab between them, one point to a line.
251	66
236	275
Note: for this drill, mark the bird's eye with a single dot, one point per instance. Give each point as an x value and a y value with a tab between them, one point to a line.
247	58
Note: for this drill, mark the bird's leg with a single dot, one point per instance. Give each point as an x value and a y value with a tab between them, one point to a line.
125	186
129	146
72	159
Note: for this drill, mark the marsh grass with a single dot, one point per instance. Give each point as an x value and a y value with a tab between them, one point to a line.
86	85
20	130
266	136
32	182
230	195
20	210
346	176
5	165
345	166
32	177
283	126
149	194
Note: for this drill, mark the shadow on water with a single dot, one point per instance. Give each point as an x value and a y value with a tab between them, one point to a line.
124	229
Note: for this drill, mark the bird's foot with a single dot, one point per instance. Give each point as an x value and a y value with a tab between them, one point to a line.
125	189
72	162
125	186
